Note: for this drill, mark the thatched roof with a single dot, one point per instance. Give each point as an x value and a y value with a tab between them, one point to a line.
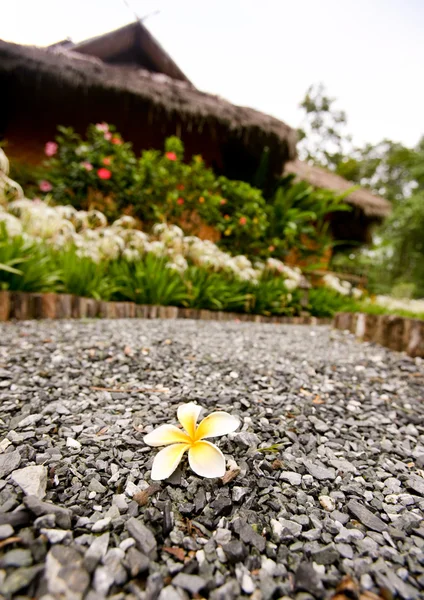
39	68
135	43
372	206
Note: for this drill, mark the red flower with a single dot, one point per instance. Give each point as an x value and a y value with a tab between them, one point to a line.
223	201
180	201
116	140
106	161
50	148
242	220
180	186
271	248
171	156
104	173
226	217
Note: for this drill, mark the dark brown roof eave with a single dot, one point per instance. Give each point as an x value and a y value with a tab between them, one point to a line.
374	207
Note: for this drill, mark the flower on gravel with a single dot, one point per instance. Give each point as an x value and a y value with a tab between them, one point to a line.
205	459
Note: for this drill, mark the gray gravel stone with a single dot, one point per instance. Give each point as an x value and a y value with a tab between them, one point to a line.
6	531
19	557
235	551
191	583
39	508
292	477
325	555
144	538
9	461
318	470
366	517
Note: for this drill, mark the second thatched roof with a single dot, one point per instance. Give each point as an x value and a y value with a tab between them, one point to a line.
372	206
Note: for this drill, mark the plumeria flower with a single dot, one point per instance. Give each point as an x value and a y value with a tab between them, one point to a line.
205	459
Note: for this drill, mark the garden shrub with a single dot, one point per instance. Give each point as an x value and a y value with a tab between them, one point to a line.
102	172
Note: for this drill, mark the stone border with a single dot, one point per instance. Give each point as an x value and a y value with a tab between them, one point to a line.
23	306
397	333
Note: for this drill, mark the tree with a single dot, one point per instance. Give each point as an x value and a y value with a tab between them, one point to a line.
388	168
323	140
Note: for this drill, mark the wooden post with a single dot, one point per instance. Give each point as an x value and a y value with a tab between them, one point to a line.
64	306
131	310
153	311
92	308
393	333
5	305
141	311
172	312
162	313
414	337
22	306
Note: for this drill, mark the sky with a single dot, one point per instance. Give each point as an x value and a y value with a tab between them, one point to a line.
266	53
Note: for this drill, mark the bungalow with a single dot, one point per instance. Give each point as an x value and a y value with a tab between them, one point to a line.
126	78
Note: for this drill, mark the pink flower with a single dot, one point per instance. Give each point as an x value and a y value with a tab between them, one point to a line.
116	140
180	201
104	173
108	135
50	148
45	186
106	161
271	248
242	220
102	127
87	166
171	156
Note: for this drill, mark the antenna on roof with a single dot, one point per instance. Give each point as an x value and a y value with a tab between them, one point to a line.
127	4
136	16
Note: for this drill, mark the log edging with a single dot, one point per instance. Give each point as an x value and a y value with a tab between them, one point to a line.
402	334
22	306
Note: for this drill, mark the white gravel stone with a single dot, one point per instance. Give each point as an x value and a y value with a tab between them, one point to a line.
73	444
32	480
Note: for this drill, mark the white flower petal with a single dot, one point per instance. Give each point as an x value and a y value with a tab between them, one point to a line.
166	434
187	415
167	460
206	460
217	423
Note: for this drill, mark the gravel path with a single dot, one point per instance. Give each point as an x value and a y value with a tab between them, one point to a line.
341	492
